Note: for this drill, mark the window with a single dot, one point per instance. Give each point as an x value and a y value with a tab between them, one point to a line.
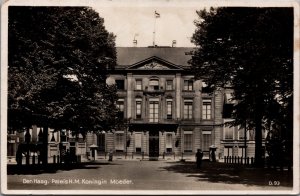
101	142
138	84
241	151
241	133
120	84
169	108
206	109
205	88
188	141
139	108
120	105
138	142
206	140
227	151
252	134
228	132
153	112
63	135
169	85
169	142
188	85
119	142
188	109
228	105
10	148
153	84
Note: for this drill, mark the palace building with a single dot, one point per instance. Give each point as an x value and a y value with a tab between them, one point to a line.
168	112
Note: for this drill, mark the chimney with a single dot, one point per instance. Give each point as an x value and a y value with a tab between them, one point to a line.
134	43
174	43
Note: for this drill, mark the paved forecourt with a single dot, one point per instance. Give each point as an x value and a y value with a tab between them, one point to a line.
127	175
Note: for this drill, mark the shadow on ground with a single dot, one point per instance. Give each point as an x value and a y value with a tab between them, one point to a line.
233	174
52	168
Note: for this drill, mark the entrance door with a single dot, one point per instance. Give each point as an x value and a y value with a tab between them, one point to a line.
153	145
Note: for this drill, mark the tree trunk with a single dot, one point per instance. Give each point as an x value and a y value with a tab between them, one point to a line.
258	134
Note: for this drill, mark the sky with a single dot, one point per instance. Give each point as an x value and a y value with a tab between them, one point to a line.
127	23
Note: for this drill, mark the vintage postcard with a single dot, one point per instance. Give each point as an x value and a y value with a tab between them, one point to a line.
150	97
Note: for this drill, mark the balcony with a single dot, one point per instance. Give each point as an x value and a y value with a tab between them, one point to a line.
154	90
147	124
153	121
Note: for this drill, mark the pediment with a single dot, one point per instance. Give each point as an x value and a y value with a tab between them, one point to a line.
154	63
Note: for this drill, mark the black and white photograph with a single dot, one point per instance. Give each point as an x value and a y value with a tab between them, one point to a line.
150	97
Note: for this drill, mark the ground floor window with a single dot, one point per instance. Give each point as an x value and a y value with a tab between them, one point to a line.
169	141
119	142
240	151
101	142
206	140
188	144
138	142
11	149
227	151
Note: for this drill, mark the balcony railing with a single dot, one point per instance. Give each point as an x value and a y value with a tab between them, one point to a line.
154	90
155	121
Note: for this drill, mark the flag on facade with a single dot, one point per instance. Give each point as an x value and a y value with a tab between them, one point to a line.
157	15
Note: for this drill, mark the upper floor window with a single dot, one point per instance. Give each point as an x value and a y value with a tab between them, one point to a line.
138	108
120	84
153	84
188	85
153	111
228	132
188	109
206	109
205	88
63	135
169	108
120	105
138	84
169	85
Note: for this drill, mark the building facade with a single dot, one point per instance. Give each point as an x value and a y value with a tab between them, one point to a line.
168	112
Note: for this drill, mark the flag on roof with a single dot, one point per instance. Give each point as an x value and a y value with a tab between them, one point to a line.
157	15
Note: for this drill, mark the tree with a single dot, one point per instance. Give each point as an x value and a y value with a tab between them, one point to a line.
250	50
58	60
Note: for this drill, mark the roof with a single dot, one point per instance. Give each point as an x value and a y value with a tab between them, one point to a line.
127	56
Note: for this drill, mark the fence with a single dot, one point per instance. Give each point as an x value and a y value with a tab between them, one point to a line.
56	159
134	155
239	160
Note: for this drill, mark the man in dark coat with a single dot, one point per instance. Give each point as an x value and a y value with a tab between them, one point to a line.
199	156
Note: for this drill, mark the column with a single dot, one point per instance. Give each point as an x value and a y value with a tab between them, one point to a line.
178	94
129	95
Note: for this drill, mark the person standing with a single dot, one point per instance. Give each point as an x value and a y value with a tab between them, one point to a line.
199	156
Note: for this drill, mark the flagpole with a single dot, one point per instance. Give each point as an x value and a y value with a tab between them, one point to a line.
156	15
154	29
